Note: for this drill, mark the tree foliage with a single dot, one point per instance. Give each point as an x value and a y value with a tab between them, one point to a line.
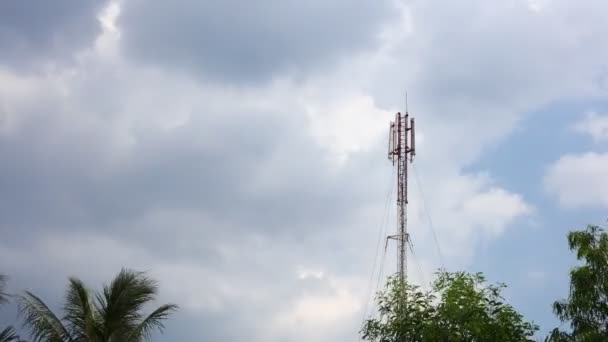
112	315
586	308
460	307
8	334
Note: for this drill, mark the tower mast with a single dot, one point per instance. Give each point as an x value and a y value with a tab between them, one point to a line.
401	151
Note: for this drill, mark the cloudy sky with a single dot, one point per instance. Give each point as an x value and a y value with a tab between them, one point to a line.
237	150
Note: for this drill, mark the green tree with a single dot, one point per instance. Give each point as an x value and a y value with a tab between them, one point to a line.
8	334
586	308
557	335
459	307
112	315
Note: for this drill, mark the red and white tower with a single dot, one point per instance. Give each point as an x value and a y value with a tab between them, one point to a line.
401	150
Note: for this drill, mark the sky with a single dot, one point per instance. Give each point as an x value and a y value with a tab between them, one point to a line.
236	151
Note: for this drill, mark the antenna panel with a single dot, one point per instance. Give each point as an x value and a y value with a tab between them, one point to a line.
391	146
413	134
392	142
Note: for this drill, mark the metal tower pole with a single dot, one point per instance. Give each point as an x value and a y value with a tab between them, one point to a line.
401	131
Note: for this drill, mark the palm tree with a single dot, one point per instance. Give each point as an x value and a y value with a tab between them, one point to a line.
8	334
112	315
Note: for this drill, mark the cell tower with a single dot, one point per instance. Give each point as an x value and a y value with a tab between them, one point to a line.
400	152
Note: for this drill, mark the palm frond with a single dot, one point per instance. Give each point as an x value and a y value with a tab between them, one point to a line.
8	335
44	326
80	315
143	332
3	295
120	304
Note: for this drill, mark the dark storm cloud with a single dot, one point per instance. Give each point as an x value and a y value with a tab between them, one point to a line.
250	40
39	30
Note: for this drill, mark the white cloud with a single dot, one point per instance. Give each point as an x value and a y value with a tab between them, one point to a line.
595	125
579	180
324	315
495	208
466	210
347	125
